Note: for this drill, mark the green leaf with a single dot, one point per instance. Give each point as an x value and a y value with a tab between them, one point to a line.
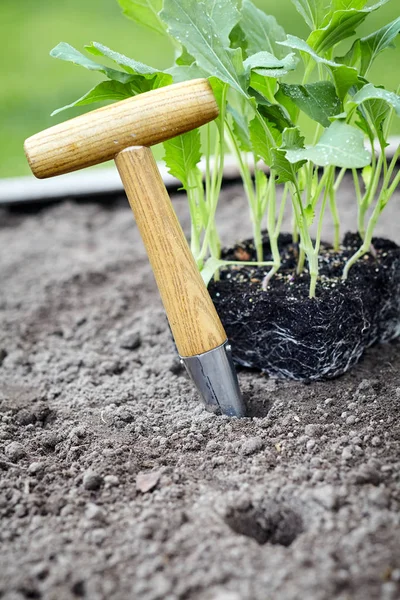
341	145
68	53
297	43
106	90
144	12
267	65
266	86
261	31
204	31
318	100
292	139
286	103
182	154
285	170
181	73
312	11
375	43
128	64
344	77
225	14
370	92
277	116
345	17
260	141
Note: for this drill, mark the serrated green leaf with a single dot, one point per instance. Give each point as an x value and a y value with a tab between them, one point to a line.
128	64
144	12
312	11
341	145
182	155
260	141
318	100
204	31
261	31
285	170
343	22
292	139
106	90
64	51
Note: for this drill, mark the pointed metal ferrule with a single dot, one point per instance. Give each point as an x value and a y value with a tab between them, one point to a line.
215	378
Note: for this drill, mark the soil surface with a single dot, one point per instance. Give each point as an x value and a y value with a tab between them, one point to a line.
116	484
286	334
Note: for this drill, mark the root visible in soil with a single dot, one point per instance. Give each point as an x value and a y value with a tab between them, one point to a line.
288	335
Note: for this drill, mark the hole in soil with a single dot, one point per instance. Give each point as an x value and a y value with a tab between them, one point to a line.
30	593
78	589
274	524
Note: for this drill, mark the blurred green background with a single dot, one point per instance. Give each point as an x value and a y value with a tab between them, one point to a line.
33	84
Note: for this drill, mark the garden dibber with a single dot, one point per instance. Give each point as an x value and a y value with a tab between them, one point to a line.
108	133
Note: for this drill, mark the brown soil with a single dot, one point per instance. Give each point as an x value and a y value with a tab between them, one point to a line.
299	501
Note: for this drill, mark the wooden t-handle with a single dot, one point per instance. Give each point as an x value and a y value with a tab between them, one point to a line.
194	321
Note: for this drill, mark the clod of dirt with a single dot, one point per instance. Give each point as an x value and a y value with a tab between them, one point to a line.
275	523
92	481
15	451
290	336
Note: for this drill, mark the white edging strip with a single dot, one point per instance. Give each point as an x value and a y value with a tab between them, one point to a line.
96	181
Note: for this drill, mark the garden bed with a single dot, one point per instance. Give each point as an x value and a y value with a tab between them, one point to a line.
92	395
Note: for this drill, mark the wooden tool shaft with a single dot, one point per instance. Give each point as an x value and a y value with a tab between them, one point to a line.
194	321
100	135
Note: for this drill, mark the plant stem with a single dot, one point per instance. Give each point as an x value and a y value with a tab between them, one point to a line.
334	209
386	193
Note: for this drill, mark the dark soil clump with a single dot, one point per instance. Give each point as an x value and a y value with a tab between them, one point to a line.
288	335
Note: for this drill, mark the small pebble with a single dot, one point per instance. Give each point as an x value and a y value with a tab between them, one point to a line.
376	441
92	481
131	340
36	467
347	453
111	480
351	419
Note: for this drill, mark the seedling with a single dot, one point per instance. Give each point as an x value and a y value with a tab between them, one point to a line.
248	58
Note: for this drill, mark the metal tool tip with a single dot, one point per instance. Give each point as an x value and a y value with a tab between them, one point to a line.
215	378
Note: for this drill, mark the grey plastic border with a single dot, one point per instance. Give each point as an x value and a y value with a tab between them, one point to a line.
95	182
